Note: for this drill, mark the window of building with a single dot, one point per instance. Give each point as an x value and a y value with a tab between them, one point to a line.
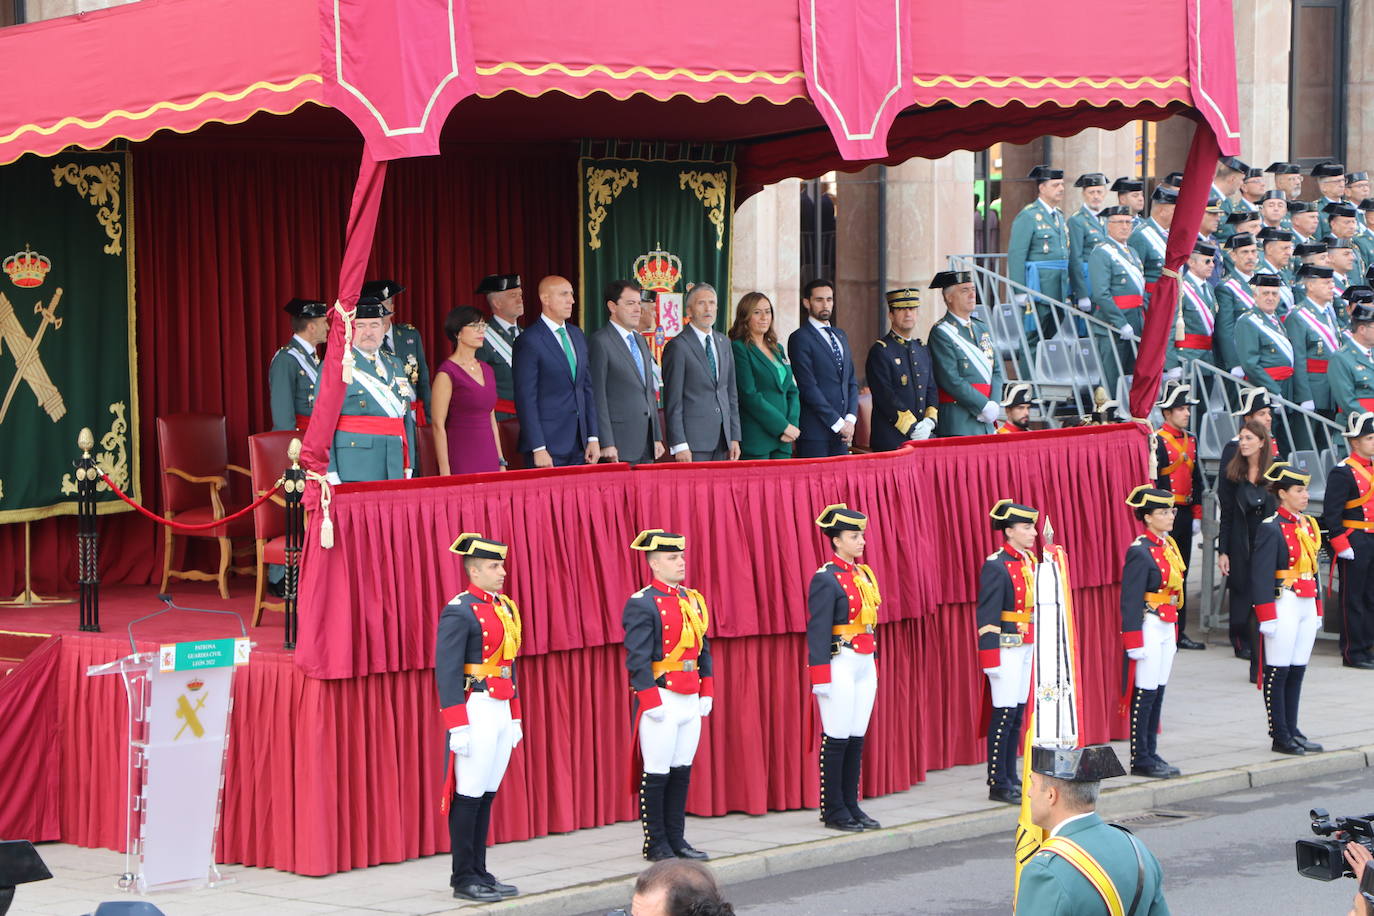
1316	81
11	12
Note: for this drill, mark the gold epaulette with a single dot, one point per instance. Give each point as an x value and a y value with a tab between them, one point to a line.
882	343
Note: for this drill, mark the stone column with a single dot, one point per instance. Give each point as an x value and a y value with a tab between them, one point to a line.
1359	145
1264	34
857	296
1111	152
766	253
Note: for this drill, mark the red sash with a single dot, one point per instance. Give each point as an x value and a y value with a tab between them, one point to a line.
1367	403
504	406
1279	373
1195	342
378	426
1131	302
301	423
1316	365
984	390
419	408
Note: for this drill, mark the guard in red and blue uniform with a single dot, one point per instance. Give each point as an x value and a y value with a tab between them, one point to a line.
1151	589
474	664
1180	474
669	659
1285	587
1348	519
842	645
1006	636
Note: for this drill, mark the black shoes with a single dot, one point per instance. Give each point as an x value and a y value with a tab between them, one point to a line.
479	892
843	822
1290	747
685	851
1366	664
1185	642
1007	794
1154	769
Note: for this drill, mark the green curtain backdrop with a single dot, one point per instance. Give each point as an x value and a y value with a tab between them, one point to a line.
67	356
664	222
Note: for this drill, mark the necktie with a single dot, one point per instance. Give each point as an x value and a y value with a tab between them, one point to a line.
386	344
568	351
711	358
514	332
835	347
634	352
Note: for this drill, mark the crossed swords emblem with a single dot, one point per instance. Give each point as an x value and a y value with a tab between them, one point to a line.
28	366
187	714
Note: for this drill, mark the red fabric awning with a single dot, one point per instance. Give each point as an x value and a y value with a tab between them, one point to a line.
178	64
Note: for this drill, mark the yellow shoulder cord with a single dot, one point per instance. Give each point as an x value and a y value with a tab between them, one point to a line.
869	596
1089	868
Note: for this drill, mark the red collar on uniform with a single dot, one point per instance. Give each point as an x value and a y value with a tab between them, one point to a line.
1287	516
484	597
1175	431
670	589
1367	462
842	564
1154	538
1013	552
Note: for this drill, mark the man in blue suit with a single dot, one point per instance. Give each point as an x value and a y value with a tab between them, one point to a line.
824	368
553	385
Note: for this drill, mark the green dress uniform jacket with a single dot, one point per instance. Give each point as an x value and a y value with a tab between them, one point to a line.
1051	886
1324	221
902	379
291	379
496	352
1235	297
768	401
1039	233
1085	233
379	389
1364	246
410	353
1316	337
966	373
1116	285
1198	309
1149	240
1351	375
1265	352
1286	299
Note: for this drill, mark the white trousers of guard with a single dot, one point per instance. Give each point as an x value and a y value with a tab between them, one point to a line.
1298	624
1152	671
1010	681
672	742
853	685
489	724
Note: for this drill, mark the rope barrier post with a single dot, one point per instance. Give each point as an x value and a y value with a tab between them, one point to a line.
293	482
87	535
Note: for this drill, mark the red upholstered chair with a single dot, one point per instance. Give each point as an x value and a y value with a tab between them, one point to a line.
426	462
509	431
267	459
194	453
863	426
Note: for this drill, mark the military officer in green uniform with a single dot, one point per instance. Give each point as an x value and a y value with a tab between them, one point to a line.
1235	297
1195	323
1330	178
1304	253
1343	220
1302	220
1130	193
403	342
902	378
1276	251
1351	371
1316	335
1085	231
1239	223
1149	239
1230	176
1212	218
1263	349
1038	253
1356	187
1116	285
1273	209
295	369
1084	865
967	374
507	304
375	438
1341	257
1364	237
1287	178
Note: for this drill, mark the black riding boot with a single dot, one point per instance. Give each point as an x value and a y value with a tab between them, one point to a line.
1000	785
853	768
466	880
652	787
675	813
834	812
1153	734
480	849
1142	711
1274	683
1292	696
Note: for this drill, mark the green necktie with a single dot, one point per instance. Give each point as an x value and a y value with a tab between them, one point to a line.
568	351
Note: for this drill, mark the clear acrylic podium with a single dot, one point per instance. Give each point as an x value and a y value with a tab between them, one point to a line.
179	699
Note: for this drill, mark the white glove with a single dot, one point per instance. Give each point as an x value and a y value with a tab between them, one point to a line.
706	704
1085	304
1269	627
1174	374
990	411
1276	409
517	733
1346	554
1308	405
1126	332
1237	372
1136	654
821	690
1197	527
657	713
460	740
922	430
993	672
1020	299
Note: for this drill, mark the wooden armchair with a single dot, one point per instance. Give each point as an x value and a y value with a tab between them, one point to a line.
194	453
267	459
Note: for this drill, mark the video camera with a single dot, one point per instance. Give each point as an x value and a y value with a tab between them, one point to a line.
1324	859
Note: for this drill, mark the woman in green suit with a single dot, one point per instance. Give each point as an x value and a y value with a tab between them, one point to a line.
769	407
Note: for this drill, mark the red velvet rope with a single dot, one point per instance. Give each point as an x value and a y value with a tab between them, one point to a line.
219	522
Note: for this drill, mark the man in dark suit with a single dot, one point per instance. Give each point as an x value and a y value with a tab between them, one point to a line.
825	376
622	377
700	401
553	385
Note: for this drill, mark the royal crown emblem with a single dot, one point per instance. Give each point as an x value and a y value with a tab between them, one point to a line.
27	268
658	270
194	684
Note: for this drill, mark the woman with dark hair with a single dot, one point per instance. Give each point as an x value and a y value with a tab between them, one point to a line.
1245	501
463	401
769	406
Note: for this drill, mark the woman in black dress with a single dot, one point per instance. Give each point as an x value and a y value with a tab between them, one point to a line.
1245	502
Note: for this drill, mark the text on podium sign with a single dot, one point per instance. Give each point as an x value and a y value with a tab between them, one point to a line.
203	653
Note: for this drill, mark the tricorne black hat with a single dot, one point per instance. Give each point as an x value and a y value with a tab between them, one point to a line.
654	540
1163	195
471	544
839	517
1043	173
1149	498
1017	394
306	308
498	283
1125	185
1252	401
1281	475
1176	394
1359	424
1005	513
948	278
1091	180
1077	764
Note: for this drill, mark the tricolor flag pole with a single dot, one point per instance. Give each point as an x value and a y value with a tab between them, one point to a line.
1054	699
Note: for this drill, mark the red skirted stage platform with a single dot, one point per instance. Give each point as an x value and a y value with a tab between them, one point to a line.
336	751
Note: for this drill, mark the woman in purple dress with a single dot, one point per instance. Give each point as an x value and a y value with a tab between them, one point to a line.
463	401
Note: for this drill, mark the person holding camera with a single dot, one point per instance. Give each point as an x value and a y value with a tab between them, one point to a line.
1285	589
1151	592
1359	859
669	659
842	647
1006	603
474	664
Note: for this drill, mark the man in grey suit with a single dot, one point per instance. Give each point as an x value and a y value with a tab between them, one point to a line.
623	379
700	402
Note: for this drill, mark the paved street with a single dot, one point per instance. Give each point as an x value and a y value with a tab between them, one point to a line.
1232	857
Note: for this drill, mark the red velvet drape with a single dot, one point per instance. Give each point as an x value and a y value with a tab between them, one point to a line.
226	233
29	749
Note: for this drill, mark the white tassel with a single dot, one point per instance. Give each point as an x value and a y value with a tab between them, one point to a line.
347	361
327	533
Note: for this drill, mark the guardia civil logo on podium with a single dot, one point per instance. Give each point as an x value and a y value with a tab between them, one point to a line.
67	355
